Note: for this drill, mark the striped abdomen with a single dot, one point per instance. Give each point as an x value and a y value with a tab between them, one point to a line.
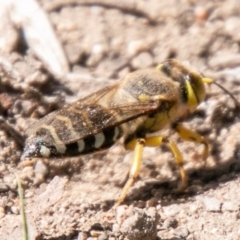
73	131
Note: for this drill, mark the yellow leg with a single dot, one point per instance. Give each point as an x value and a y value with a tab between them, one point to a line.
135	167
137	145
157	141
179	161
191	136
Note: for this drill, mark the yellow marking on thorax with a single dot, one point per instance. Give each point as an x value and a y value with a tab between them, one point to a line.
143	97
157	122
160	120
60	146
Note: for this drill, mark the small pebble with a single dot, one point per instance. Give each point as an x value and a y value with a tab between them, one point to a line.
212	204
182	232
115	227
122	212
170	223
201	14
41	168
3	187
15	210
151	202
135	47
82	236
143	60
2	214
95	233
2	210
194	208
29	194
230	206
103	236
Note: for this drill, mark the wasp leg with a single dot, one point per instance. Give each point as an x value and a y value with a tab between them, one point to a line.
137	145
191	136
157	141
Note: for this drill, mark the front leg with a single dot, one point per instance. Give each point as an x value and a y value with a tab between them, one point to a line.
189	135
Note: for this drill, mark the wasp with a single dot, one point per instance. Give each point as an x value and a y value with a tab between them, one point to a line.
144	102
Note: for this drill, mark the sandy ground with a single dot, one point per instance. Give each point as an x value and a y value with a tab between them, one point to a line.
73	198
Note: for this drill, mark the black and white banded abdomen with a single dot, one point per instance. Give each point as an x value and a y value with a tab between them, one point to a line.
50	145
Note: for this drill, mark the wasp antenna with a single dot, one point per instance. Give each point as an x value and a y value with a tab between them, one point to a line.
229	93
211	81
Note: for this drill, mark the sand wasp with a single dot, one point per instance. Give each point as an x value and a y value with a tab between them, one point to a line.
144	102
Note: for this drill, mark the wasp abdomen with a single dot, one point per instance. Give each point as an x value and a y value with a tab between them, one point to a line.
93	143
41	147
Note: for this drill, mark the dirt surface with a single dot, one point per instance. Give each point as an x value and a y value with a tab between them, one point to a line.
73	198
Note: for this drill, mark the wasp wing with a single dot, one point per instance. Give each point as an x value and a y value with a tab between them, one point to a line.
88	100
92	115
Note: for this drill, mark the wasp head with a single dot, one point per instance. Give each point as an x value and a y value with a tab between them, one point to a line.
192	89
